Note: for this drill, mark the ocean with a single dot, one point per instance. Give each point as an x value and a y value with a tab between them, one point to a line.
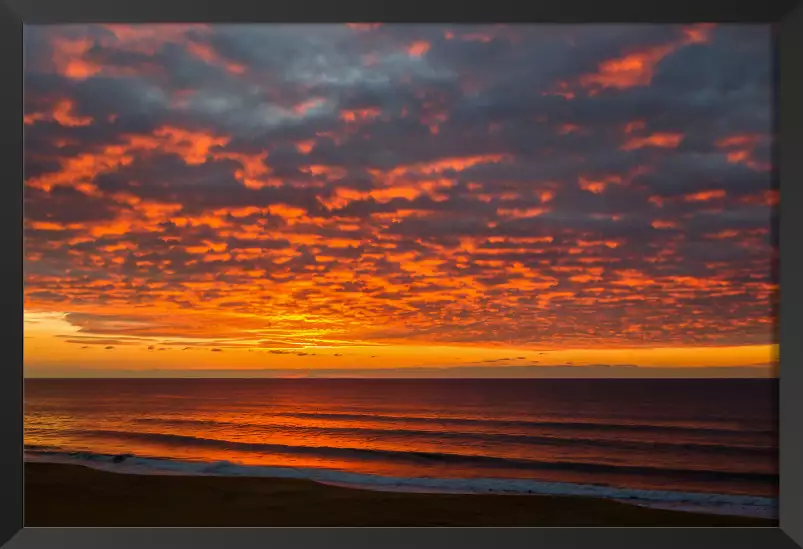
704	445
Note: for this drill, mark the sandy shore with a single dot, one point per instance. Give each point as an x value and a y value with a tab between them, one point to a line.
73	495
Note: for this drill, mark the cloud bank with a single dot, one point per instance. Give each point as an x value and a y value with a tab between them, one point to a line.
313	185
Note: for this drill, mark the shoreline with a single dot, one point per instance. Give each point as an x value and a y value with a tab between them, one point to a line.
707	503
60	494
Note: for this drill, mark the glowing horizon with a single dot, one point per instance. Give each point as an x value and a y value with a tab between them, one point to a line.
367	197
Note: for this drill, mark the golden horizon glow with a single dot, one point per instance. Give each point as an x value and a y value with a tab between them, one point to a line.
48	343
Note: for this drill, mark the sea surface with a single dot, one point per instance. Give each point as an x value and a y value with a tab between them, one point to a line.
702	445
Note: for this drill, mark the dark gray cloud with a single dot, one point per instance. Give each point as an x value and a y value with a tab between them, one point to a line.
453	182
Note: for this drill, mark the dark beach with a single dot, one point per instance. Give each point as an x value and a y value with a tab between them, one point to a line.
73	495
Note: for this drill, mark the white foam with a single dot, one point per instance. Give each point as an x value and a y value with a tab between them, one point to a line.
728	504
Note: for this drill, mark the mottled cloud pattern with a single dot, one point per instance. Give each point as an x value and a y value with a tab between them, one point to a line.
292	186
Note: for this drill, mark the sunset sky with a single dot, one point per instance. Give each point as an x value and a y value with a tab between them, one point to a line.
511	199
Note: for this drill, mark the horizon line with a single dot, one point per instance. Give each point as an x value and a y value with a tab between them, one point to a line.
393	378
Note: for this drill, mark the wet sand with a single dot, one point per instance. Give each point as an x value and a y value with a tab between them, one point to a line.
74	495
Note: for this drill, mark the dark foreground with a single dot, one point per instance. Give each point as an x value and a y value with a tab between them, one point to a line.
72	495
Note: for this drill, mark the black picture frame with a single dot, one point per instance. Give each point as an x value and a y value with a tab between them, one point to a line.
787	15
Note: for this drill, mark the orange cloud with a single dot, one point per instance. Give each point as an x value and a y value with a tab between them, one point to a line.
739	149
456	163
704	196
148	39
433	121
206	53
68	58
307	105
632	70
33	118
418	48
723	234
70	55
63	114
663	224
306	146
253	172
598	185
741	140
637	67
546	195
634	126
359	114
566	129
193	147
662	140
518	213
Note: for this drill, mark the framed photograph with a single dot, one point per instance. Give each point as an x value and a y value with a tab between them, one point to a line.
326	274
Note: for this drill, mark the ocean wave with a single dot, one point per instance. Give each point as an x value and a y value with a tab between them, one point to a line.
527	423
432	458
490	437
700	502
